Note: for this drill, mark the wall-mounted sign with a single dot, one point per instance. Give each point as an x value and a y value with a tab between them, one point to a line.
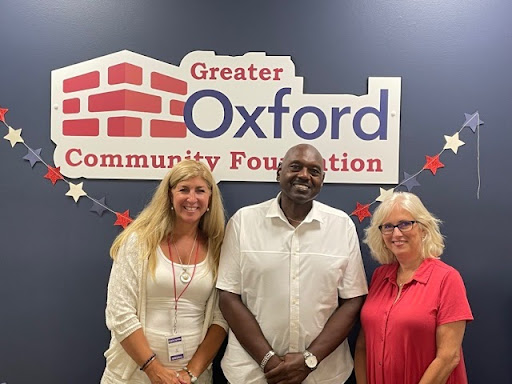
128	116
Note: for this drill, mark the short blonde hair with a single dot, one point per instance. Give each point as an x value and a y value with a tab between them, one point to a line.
156	221
433	242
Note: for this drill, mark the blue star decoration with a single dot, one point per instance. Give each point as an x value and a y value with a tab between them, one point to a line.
409	182
98	206
33	156
472	121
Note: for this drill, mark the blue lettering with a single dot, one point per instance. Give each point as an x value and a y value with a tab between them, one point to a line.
189	109
381	114
336	117
250	122
322	122
278	111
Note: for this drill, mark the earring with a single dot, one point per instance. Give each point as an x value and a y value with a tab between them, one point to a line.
172	208
208	209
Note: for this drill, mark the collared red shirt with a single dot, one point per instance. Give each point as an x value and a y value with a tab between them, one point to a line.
401	336
290	279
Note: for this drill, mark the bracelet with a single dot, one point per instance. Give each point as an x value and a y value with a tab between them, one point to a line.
193	379
148	361
266	358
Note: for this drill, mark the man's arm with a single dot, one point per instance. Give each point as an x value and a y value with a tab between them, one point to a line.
246	328
336	330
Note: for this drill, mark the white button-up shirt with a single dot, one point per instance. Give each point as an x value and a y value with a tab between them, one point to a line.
290	279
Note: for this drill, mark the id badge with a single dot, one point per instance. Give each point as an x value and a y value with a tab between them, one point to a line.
175	348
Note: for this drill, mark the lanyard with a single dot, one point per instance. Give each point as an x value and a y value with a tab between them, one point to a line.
177	297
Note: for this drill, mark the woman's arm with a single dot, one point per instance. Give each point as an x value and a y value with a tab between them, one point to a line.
360	358
137	347
121	312
448	346
206	351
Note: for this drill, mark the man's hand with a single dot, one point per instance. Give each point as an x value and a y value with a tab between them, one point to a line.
292	370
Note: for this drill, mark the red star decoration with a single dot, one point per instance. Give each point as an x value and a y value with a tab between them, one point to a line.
433	163
3	111
123	219
53	175
362	211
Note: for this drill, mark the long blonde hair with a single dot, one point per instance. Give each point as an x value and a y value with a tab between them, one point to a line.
157	220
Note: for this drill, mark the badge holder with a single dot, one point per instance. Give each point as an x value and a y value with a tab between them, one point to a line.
175	348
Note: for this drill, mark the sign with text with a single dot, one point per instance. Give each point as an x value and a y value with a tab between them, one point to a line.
128	116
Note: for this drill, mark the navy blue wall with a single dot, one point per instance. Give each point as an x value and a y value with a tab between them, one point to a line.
453	57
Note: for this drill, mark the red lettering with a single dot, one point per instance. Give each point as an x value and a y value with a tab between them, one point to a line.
201	74
225	73
265	74
236	159
200	71
68	157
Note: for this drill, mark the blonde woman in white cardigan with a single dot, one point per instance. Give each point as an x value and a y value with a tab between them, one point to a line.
162	305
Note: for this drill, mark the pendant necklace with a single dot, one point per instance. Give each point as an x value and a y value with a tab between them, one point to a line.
185	276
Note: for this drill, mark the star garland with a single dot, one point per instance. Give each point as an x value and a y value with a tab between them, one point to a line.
432	163
75	191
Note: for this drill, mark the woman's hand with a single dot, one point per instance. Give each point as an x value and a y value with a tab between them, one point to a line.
184	377
158	374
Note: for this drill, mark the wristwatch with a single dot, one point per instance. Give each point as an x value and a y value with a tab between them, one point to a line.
310	360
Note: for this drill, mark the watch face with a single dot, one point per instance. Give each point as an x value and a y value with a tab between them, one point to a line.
311	361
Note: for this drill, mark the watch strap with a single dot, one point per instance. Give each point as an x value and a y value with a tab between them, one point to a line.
266	358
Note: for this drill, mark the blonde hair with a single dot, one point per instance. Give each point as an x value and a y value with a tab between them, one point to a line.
432	244
157	220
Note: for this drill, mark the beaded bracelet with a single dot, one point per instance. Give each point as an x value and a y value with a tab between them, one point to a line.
148	361
193	379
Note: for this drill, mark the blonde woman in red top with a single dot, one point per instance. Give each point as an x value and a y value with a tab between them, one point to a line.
415	315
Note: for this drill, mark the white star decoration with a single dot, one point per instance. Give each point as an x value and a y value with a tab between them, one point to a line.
14	136
453	142
76	191
385	194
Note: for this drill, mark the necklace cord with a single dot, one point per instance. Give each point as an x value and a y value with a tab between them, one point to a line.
176	296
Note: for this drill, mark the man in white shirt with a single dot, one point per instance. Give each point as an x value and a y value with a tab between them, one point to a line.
284	265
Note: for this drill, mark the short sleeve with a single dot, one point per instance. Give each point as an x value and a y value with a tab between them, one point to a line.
453	301
218	319
229	278
354	282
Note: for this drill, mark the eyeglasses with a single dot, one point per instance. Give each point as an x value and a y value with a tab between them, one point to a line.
403	226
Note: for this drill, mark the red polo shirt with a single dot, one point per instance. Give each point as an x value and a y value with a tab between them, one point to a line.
401	336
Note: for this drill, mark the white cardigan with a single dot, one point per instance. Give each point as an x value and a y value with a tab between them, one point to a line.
126	310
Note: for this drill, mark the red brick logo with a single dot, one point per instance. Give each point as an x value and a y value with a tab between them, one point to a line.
104	96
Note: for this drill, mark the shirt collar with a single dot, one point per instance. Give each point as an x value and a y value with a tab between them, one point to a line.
276	211
421	275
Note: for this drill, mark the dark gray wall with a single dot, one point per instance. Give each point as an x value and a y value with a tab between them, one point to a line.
453	57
